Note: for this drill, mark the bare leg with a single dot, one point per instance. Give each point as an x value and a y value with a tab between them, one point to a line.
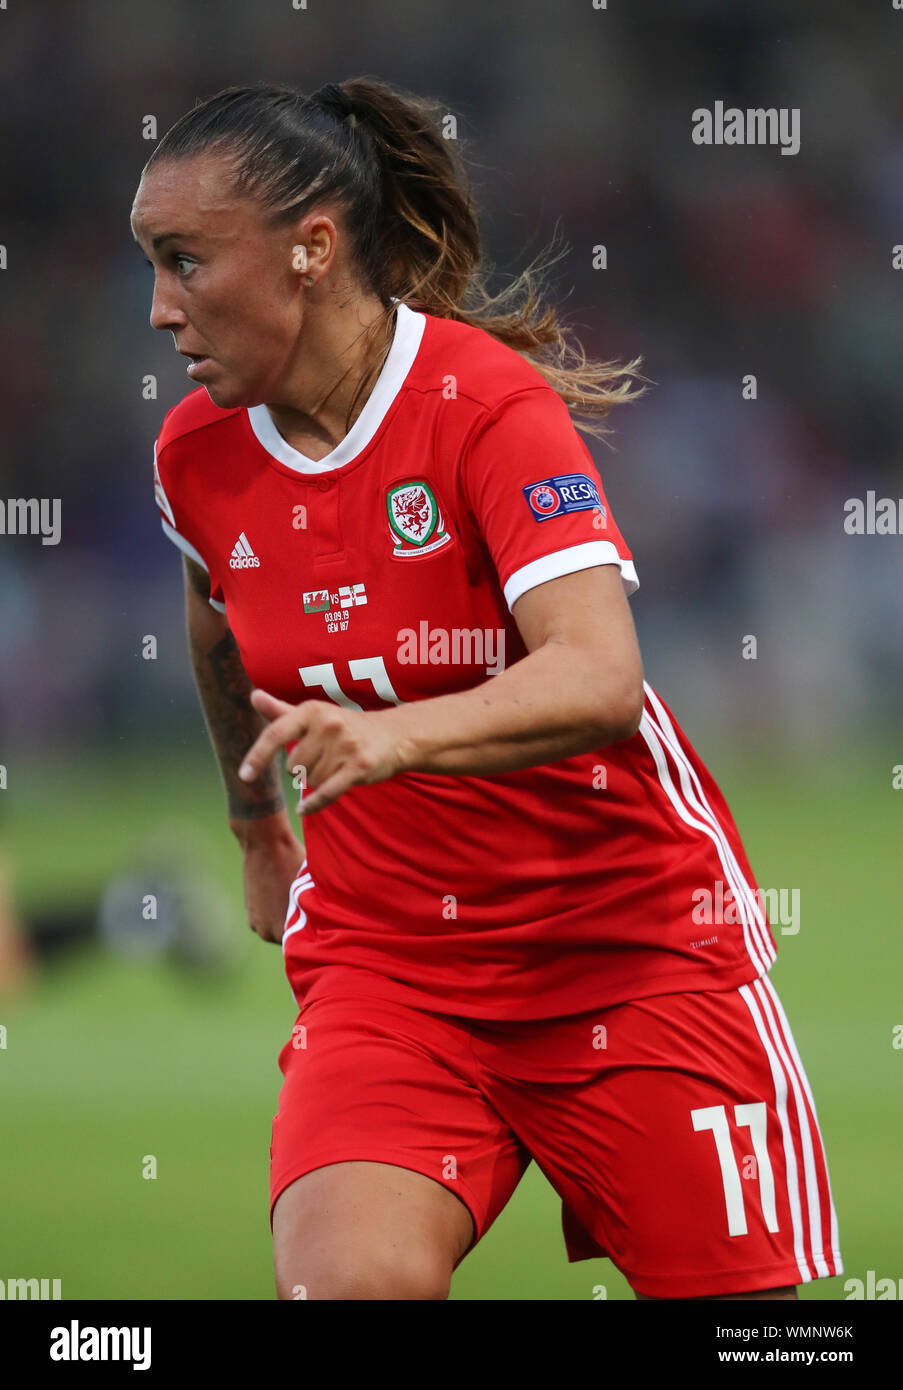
361	1230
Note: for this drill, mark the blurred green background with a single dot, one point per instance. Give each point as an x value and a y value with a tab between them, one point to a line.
720	262
108	1060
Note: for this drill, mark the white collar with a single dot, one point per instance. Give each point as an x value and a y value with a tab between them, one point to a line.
409	326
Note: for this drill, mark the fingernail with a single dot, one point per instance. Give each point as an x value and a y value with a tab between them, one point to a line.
246	771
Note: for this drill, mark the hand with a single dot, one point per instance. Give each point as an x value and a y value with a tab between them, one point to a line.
272	858
336	748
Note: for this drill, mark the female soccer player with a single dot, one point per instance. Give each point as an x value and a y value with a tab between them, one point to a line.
526	926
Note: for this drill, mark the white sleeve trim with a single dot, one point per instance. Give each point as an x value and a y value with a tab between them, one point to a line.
181	542
162	499
569	561
195	555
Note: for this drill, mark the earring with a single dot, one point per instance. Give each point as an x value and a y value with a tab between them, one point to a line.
308	279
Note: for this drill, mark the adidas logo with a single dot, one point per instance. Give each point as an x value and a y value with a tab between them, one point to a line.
243	557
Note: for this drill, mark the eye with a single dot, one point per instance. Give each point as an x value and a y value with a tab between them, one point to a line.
177	258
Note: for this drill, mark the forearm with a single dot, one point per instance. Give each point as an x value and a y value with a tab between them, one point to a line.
232	723
552	704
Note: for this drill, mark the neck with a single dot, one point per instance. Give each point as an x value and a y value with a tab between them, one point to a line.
339	356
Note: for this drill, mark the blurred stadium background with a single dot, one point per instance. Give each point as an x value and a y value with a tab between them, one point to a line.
123	1042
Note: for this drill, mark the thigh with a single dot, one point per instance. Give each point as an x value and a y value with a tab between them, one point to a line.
687	1149
385	1154
359	1230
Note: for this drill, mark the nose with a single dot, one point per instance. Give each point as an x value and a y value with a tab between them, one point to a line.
165	313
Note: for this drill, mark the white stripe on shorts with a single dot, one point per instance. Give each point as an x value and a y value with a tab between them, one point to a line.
783	1036
774	1030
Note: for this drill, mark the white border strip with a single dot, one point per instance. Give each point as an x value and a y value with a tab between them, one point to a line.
569	561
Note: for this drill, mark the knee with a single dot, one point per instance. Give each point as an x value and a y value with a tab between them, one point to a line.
362	1275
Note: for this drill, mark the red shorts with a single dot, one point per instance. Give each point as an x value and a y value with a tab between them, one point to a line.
679	1131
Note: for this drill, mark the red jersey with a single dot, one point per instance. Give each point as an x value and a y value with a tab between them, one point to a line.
386	572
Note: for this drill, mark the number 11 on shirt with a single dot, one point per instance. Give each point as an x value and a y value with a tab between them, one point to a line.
367	668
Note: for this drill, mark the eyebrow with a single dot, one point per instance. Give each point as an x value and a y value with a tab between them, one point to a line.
168	236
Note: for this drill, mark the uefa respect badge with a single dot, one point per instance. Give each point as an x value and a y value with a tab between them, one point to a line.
415	520
570	492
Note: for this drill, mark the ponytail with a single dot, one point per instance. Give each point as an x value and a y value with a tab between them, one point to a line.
409	213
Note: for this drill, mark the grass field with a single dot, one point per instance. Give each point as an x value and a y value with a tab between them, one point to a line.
109	1060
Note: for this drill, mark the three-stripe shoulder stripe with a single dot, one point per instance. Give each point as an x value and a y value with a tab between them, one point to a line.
692	789
692	806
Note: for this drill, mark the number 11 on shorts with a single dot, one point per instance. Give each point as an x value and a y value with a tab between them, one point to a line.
753	1117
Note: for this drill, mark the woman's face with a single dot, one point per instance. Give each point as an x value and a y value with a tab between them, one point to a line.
225	285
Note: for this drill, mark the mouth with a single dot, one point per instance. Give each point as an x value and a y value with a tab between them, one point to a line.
197	362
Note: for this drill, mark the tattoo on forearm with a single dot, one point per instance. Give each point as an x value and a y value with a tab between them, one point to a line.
229	674
233	724
197	577
245	810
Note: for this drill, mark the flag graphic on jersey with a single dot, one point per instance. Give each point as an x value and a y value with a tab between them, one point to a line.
346	596
415	519
243	557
